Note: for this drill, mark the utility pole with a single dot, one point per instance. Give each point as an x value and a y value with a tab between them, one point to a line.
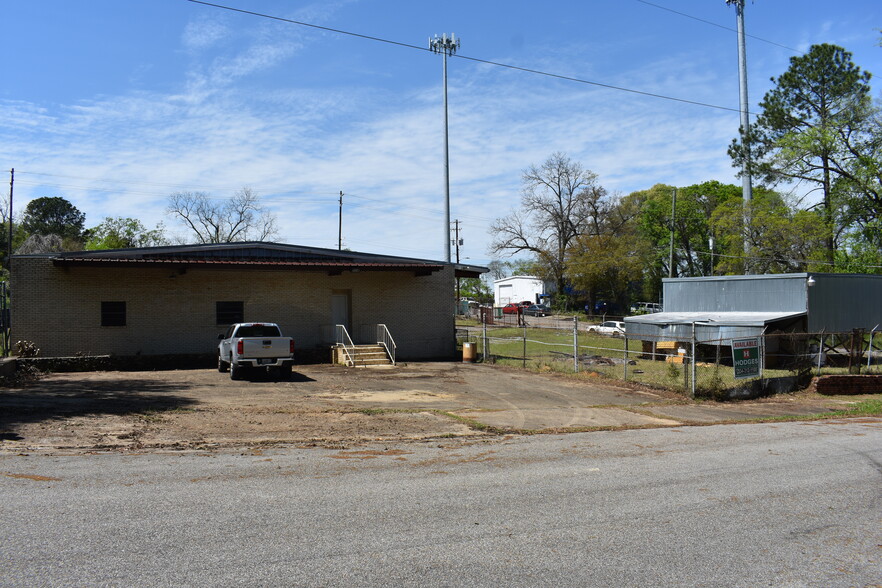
340	225
7	330
673	217
445	46
11	185
746	182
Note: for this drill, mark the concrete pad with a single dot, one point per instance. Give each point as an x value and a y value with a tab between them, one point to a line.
561	418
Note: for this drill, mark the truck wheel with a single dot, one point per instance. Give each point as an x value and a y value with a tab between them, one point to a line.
235	371
285	372
222	366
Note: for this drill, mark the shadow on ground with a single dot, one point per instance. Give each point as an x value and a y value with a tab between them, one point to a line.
263	375
61	399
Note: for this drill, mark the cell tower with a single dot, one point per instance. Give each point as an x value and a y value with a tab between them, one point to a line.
446	46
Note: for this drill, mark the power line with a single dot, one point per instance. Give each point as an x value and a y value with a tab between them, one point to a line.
473	59
718	25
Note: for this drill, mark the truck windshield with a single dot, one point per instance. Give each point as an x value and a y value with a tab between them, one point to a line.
258	331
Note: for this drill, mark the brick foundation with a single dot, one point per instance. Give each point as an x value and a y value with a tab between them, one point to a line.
833	385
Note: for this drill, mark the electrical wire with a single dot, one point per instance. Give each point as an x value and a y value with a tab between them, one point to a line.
719	26
473	59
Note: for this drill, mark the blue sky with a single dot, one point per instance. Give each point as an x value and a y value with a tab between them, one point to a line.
116	104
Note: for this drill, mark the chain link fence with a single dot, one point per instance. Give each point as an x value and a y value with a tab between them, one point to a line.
780	362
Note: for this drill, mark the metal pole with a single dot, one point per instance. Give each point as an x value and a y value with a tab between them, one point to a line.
446	171
9	251
746	182
870	348
7	331
576	344
625	363
693	361
525	345
446	46
484	343
673	215
340	225
820	352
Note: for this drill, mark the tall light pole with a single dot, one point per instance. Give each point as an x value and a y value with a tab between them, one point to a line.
445	46
746	183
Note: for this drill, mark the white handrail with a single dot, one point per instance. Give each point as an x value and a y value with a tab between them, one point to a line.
343	339
384	338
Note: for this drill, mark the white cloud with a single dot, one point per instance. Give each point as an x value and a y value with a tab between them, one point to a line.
203	33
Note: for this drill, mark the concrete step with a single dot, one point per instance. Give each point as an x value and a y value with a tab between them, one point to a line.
370	355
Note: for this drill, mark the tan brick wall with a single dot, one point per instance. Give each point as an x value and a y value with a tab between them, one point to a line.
59	308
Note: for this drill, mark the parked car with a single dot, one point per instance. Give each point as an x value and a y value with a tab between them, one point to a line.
252	346
537	310
526	303
512	308
645	307
611	328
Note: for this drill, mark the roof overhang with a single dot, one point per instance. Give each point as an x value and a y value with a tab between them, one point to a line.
257	256
333	267
734	319
707	327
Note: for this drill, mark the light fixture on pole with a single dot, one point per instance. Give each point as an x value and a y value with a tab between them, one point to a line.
445	46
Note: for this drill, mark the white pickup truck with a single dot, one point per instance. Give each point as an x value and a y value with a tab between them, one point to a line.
254	345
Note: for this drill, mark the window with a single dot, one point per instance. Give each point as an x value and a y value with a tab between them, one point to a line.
228	313
113	314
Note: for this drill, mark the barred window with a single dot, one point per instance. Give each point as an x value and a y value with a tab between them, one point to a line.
113	314
227	313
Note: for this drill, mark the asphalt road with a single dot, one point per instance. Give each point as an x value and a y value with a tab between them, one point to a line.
796	504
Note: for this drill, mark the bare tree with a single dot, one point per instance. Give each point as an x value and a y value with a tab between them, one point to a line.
560	201
41	244
241	218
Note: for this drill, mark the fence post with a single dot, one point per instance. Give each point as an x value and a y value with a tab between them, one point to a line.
820	353
625	362
693	362
484	343
525	346
575	344
870	348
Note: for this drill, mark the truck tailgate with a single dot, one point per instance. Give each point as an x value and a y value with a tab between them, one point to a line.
258	347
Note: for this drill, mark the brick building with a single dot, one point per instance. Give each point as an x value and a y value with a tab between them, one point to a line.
168	300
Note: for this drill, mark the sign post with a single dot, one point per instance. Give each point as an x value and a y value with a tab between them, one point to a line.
746	358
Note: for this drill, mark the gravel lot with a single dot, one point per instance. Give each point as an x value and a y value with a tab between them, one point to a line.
332	406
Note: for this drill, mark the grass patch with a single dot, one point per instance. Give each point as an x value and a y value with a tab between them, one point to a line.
380	411
871	407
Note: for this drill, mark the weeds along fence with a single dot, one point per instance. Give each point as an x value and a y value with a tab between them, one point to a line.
781	362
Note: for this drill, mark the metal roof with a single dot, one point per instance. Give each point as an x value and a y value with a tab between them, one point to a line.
255	255
710	327
749	319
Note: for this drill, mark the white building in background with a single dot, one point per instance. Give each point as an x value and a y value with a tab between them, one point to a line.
519	289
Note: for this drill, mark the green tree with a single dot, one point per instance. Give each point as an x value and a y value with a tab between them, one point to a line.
814	127
476	289
692	230
609	263
780	238
123	233
53	216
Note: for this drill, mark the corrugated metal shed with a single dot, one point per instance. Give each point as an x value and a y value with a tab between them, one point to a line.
838	303
772	293
734	306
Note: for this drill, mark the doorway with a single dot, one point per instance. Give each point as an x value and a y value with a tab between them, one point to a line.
341	304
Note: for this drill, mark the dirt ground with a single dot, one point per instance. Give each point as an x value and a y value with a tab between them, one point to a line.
334	406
